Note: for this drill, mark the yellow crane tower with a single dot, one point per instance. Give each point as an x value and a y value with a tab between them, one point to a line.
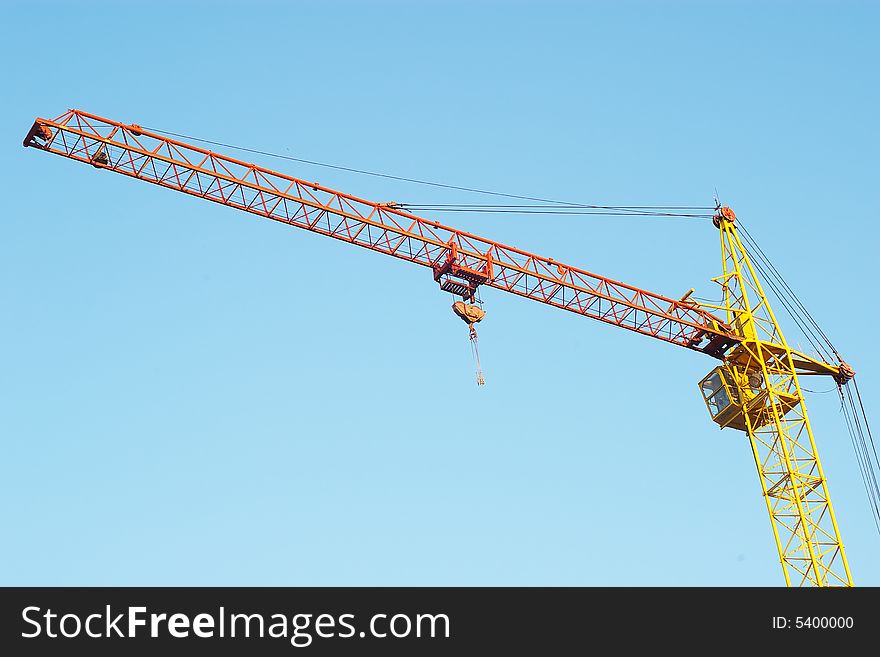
756	390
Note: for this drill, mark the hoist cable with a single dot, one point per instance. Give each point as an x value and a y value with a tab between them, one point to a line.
794	296
554	209
865	417
560	205
417	181
869	472
632	213
873	500
814	342
867	467
787	299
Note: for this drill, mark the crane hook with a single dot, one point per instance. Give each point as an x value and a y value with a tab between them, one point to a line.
472	314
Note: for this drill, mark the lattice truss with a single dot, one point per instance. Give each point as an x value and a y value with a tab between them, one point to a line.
135	152
794	486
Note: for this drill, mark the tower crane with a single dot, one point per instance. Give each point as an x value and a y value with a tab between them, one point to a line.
754	386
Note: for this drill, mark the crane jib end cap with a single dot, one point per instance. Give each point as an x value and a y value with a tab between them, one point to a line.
37	131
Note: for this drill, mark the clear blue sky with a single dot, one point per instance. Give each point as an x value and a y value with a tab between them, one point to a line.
189	395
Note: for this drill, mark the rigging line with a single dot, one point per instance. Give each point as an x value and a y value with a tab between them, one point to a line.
804	328
810	326
875	512
869	465
365	172
801	322
814	341
551	206
865	416
571	212
862	440
861	435
794	296
865	466
564	210
773	272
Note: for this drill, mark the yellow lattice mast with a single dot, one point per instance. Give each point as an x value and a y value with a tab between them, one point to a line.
756	390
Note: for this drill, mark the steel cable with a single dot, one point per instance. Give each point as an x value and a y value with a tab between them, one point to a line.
474	190
791	292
